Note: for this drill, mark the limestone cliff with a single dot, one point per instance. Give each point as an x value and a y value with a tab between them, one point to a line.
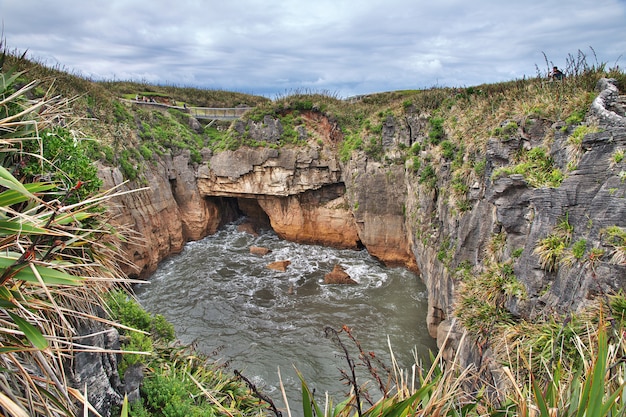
165	213
405	215
589	202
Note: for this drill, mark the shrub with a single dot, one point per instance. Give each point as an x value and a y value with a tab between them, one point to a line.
436	132
128	168
146	152
576	138
349	144
416	164
374	148
552	248
506	131
459	186
579	248
64	160
537	168
121	113
615	237
577	116
428	176
128	312
415	149
448	149
479	167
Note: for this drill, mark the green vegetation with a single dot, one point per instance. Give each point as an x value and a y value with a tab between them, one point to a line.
164	132
579	248
483	297
348	146
552	248
615	237
58	254
577	116
537	168
446	252
428	176
505	132
179	381
575	141
436	132
61	158
59	260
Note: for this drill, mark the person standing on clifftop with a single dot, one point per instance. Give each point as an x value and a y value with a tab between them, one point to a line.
556	74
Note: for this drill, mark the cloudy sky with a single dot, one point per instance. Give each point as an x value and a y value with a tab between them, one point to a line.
341	47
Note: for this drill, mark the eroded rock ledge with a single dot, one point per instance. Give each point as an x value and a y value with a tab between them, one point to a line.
307	195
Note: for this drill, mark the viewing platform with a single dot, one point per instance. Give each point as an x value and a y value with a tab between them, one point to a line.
217	113
212	113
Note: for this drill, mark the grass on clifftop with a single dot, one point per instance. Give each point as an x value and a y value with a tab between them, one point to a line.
59	258
570	365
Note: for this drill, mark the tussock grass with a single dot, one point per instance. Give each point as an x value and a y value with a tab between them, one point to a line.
57	256
59	260
576	370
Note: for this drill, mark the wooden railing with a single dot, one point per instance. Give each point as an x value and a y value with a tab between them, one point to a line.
219	113
214	113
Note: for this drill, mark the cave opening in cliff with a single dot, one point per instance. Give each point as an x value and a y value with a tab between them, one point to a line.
255	216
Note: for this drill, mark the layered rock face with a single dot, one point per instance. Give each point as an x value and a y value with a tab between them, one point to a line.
164	214
305	194
300	190
591	199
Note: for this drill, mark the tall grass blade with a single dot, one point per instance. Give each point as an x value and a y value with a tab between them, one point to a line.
14	409
124	412
540	400
32	333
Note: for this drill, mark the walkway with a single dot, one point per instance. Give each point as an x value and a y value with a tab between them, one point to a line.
217	113
212	113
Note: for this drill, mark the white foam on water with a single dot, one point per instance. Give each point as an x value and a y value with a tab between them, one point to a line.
216	293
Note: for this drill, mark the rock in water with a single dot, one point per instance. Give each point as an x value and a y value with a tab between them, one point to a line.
338	276
279	265
259	250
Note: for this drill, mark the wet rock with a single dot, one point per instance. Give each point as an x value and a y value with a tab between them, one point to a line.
259	250
247	228
279	265
338	276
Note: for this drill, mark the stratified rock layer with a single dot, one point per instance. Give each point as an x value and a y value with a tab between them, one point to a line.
307	195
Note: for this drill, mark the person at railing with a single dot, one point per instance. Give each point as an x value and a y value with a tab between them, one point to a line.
556	74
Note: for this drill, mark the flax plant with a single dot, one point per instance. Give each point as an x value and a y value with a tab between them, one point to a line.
579	371
57	255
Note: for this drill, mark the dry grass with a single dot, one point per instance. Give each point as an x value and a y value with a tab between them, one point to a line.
579	370
56	259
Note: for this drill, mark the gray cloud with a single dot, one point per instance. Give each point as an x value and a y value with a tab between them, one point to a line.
343	47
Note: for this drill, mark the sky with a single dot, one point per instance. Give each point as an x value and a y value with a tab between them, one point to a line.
339	47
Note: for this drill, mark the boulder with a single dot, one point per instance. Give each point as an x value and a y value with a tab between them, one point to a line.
248	228
279	265
258	250
133	378
338	276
